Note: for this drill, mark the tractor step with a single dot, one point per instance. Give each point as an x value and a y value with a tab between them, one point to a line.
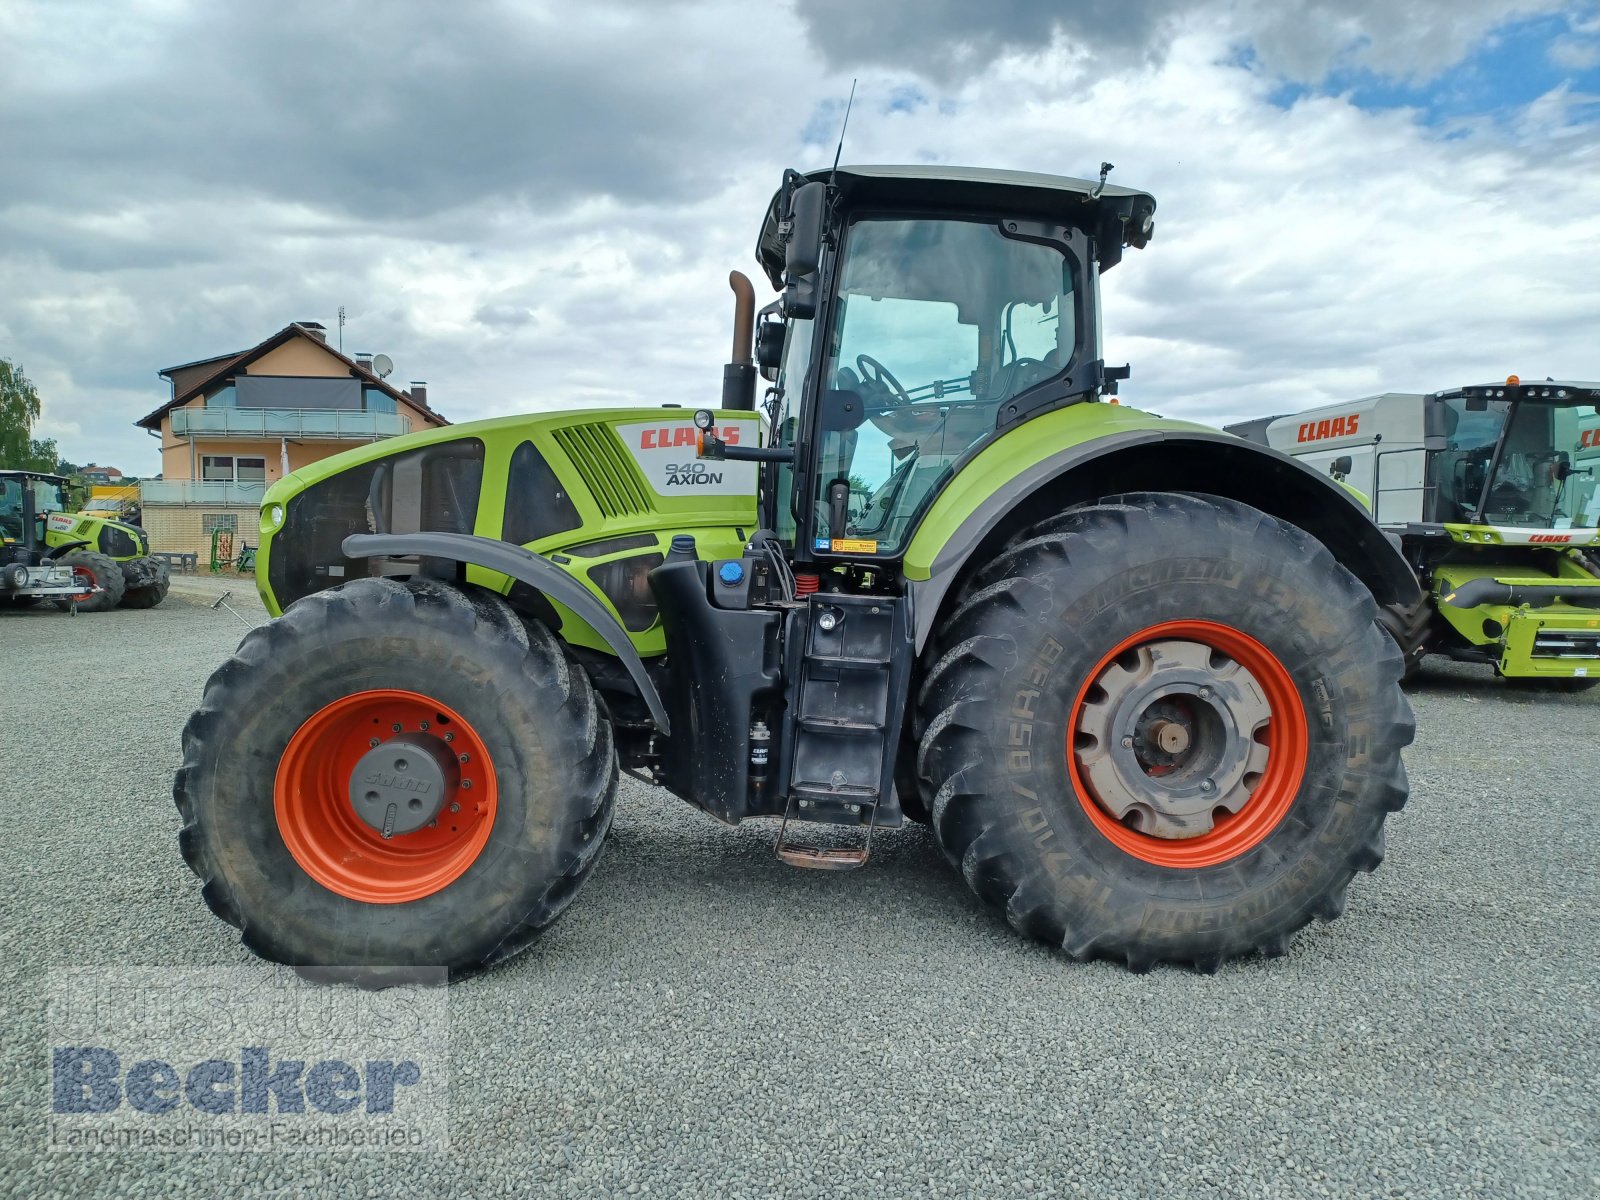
824	858
851	679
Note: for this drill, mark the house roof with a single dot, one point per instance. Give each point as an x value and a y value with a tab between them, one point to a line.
229	364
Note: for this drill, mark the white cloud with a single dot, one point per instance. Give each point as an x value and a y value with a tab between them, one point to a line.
522	253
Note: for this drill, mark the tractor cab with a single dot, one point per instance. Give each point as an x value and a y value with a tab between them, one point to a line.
27	498
1519	458
924	312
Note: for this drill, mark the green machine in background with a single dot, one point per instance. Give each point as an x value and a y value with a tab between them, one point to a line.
81	561
1491	492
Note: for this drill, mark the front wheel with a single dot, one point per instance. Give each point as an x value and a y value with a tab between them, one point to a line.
148	581
395	776
100	577
1165	729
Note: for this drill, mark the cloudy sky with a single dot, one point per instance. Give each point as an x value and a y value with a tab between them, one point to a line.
535	205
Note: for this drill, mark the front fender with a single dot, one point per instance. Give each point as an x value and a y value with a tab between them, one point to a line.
529	568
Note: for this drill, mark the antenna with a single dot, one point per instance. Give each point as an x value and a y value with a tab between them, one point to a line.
1105	169
341	329
843	125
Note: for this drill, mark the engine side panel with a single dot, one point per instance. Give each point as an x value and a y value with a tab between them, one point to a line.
598	493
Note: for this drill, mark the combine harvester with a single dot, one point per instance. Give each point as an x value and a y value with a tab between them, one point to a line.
1491	492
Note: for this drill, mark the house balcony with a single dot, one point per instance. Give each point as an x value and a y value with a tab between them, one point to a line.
195	491
328	424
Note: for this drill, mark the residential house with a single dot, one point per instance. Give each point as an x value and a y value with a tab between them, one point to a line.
237	422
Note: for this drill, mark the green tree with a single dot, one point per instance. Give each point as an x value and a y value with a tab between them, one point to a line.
19	409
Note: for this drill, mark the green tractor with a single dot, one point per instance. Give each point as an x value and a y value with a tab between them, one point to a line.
1127	669
83	562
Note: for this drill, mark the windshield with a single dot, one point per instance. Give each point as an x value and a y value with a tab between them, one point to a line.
1471	430
938	324
1545	477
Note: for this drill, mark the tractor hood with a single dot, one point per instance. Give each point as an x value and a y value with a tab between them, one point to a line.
1115	216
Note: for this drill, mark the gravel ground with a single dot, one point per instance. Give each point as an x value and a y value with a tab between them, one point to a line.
707	1021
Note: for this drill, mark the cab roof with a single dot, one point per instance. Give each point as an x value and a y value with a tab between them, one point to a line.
34	475
1117	217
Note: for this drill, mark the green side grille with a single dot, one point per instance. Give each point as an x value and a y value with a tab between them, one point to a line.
606	469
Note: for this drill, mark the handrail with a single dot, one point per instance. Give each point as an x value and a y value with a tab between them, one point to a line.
288	422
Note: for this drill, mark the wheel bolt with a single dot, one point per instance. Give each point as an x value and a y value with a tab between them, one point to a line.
422	725
396	727
454	807
1205	693
466	758
373	742
449	737
1127	743
466	785
1208	786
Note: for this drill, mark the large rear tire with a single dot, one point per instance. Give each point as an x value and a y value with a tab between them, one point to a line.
1164	729
95	570
148	581
395	776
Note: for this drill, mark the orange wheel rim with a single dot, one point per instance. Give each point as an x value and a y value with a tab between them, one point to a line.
1166	712
383	761
88	578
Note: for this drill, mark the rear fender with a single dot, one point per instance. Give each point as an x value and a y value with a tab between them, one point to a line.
964	528
526	567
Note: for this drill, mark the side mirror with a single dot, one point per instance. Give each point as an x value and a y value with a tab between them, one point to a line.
1340	467
803	251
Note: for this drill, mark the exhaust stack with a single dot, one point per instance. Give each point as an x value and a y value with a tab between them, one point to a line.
739	376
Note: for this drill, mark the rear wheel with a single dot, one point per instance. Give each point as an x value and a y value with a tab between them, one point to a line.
1164	729
148	580
394	776
94	571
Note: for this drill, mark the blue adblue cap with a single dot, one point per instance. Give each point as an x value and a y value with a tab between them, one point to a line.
730	573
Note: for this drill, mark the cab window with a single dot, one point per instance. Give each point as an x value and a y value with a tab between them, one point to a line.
937	324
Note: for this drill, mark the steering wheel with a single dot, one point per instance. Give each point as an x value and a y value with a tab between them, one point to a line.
875	373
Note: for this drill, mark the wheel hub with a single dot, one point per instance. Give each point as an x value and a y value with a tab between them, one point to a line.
399	786
1169	737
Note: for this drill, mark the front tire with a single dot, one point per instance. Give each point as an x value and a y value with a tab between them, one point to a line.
472	834
148	581
1108	668
95	570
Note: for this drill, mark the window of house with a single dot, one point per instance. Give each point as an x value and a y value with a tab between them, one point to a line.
377	400
227	522
223	397
225	468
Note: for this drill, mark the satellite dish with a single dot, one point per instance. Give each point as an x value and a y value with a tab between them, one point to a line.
382	365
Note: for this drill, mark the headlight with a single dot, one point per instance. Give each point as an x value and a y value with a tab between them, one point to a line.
271	517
